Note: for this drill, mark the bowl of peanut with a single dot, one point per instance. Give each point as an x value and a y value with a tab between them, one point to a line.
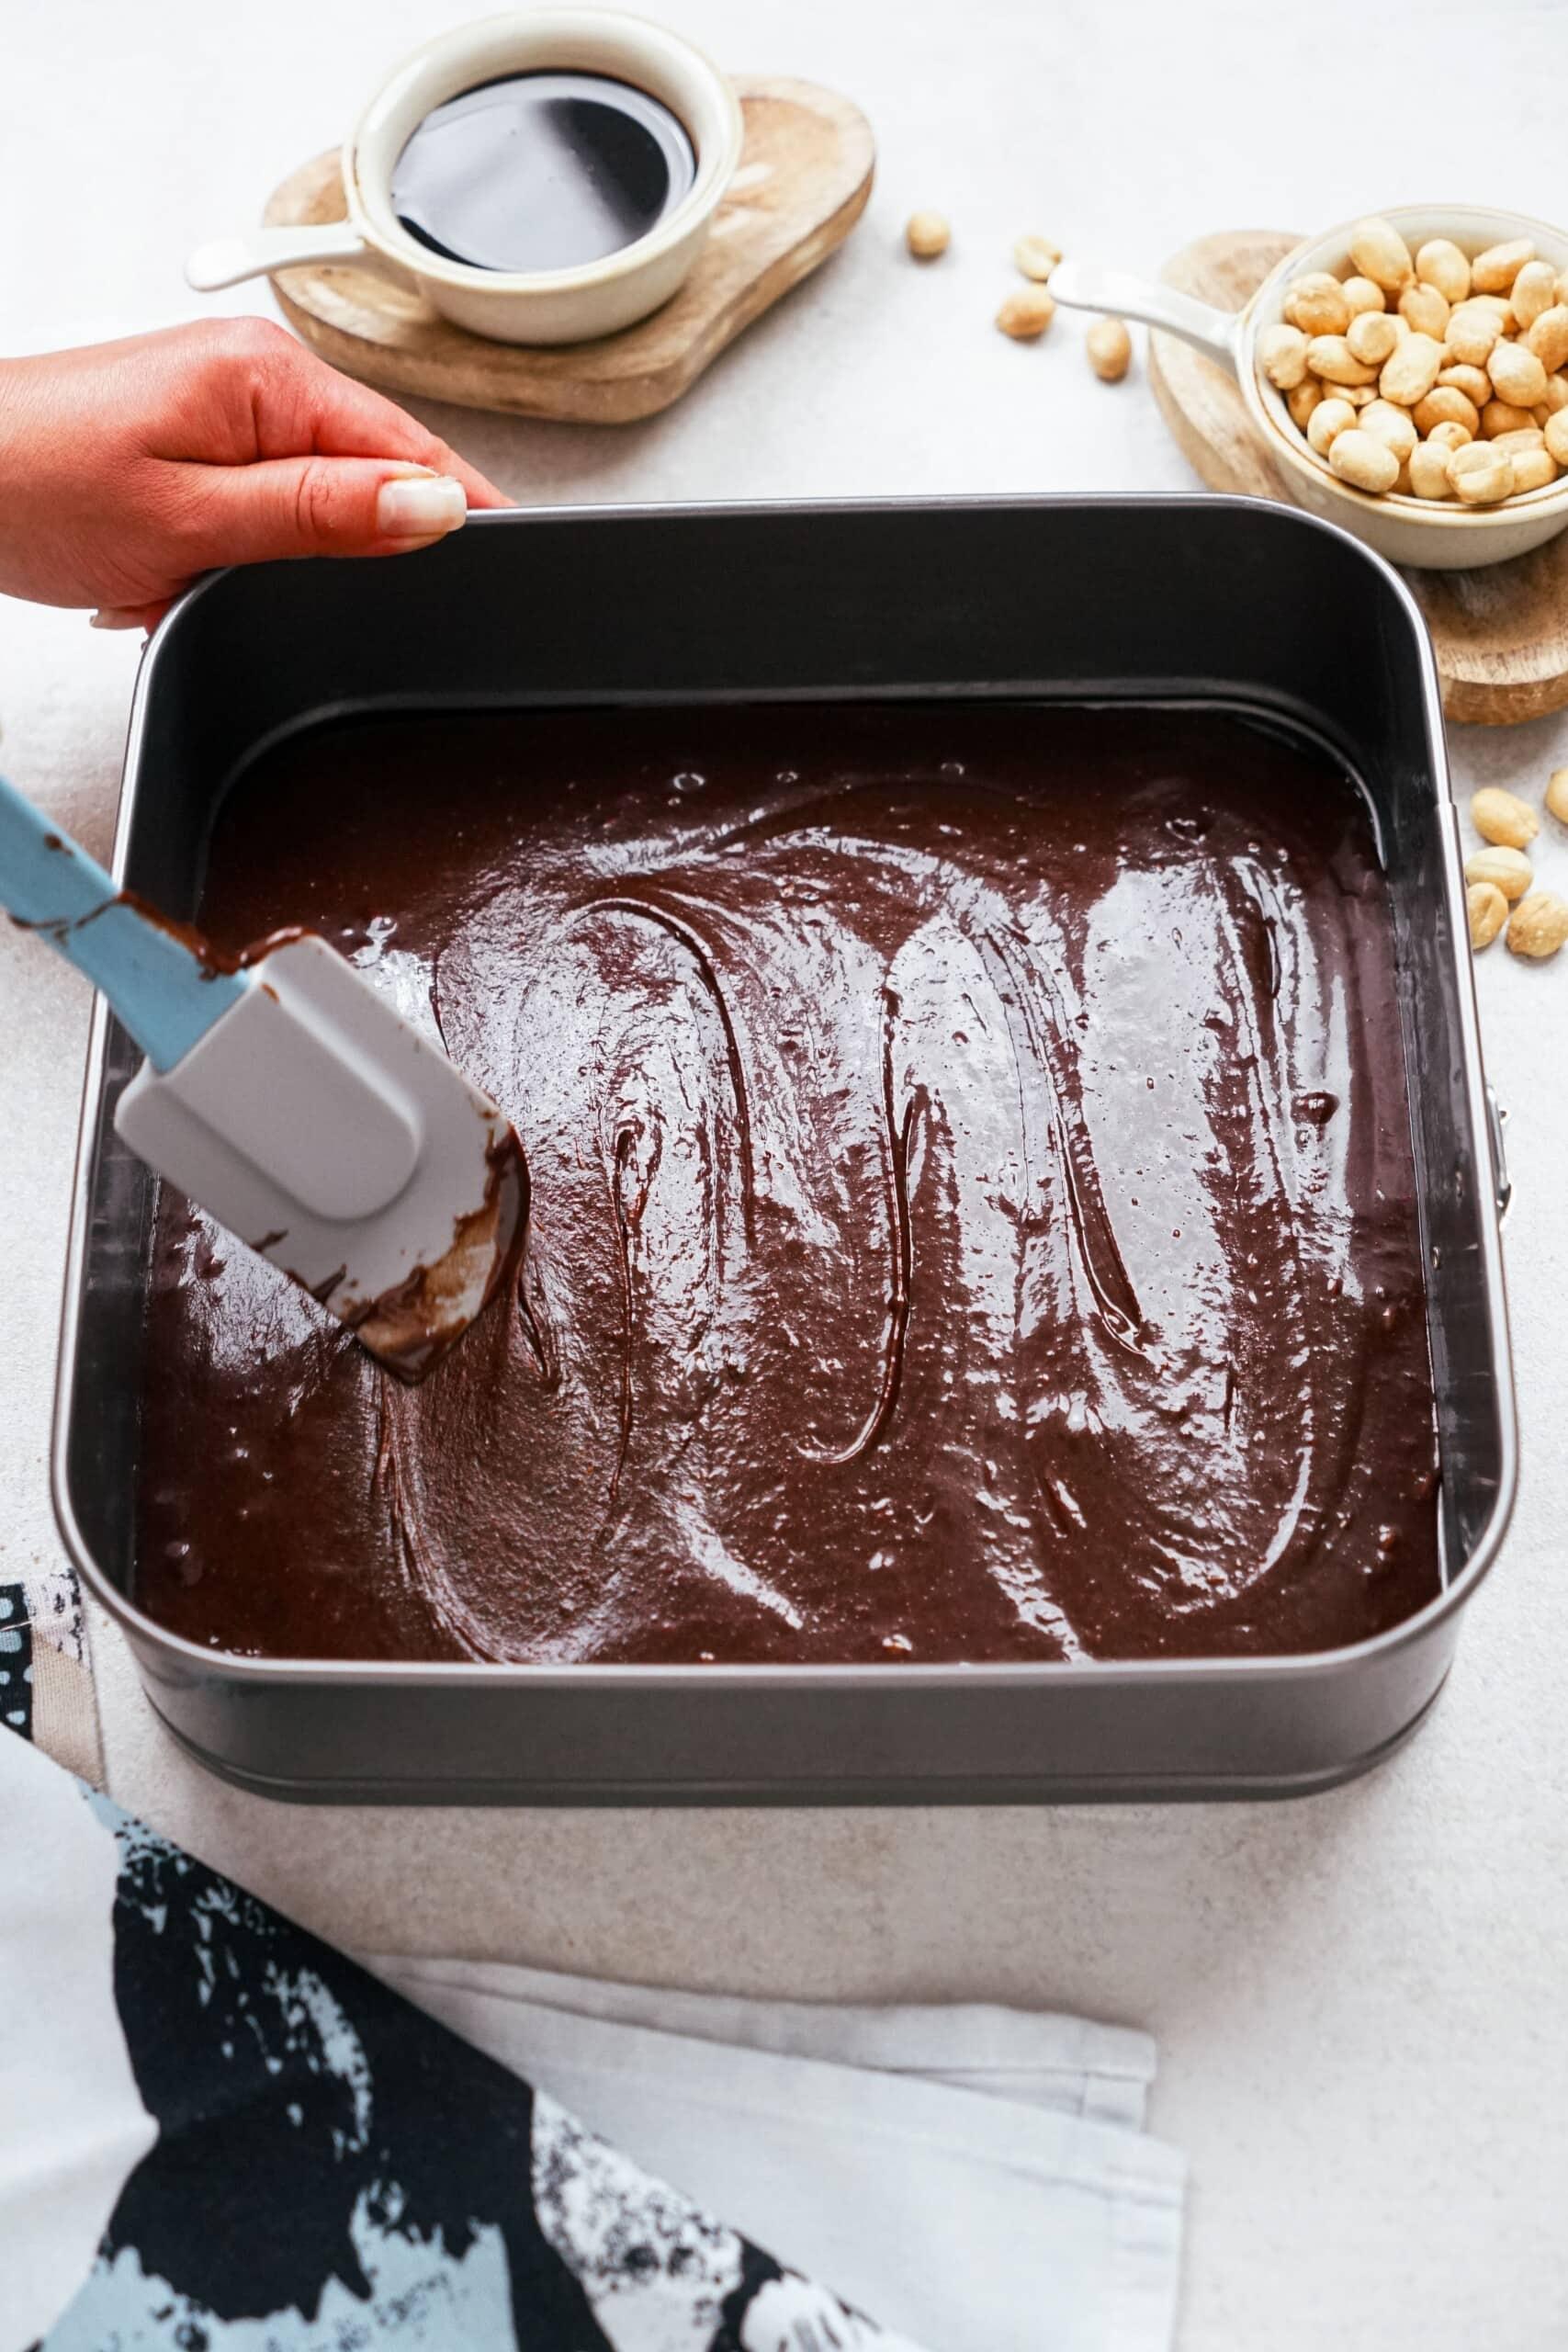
1408	370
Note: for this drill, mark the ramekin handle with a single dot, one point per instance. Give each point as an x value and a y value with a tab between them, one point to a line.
229	261
1086	285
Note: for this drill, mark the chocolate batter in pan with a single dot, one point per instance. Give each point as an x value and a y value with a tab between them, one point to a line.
972	1212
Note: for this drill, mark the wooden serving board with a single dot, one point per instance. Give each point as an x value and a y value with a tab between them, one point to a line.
801	185
1500	634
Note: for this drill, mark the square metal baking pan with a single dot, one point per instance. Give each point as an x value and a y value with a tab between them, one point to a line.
1211	600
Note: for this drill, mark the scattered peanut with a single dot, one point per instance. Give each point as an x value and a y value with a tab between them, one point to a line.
1508	869
1317	304
1380	253
1026	314
1109	349
926	234
1488	911
1557	795
1538	925
1440	263
1502	818
1036	258
1327	421
1283	353
1494	271
1481	475
1364	462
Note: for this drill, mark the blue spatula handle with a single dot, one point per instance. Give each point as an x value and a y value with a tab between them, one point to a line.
162	990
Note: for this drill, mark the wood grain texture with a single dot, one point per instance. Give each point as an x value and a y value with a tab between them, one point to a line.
1500	634
802	183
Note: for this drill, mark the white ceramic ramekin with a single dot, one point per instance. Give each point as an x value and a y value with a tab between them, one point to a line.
1428	535
540	306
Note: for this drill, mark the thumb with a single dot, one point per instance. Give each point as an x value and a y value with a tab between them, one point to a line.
315	506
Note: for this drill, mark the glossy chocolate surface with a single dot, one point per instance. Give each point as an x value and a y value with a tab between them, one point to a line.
971	1209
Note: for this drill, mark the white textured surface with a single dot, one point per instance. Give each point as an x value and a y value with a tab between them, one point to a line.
1359	2000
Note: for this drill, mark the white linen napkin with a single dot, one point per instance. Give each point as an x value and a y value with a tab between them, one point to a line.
976	2176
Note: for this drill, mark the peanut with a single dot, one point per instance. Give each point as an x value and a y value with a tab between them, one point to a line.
1380	253
1446	404
1473	383
1532	291
1516	375
1495	271
1422	309
1503	819
1371	335
1548	336
1330	356
1448	436
1440	263
1556	397
1557	794
1501	416
926	234
1481	475
1303	402
1327	422
1487	910
1556	432
1538	925
1036	258
1282	356
1317	304
1391	425
1026	314
1109	349
1410	373
1523	436
1507	870
1473	331
1428	463
1360	295
1364	462
1533	469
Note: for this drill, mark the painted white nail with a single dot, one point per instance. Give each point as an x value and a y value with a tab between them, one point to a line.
114	617
419	508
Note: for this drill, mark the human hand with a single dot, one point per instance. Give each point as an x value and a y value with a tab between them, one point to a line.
128	468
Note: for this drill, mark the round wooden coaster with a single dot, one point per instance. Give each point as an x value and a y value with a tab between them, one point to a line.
1500	634
802	183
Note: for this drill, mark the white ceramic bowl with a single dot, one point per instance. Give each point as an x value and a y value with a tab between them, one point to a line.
1414	531
534	306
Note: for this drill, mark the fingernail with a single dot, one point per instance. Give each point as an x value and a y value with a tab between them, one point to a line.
114	616
419	508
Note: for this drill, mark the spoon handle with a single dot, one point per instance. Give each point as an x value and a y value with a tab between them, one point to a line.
163	990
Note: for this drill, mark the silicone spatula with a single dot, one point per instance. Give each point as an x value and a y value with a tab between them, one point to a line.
293	1103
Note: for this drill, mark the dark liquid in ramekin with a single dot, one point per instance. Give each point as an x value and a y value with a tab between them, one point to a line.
542	171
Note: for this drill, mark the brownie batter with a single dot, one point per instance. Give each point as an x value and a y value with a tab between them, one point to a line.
971	1203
